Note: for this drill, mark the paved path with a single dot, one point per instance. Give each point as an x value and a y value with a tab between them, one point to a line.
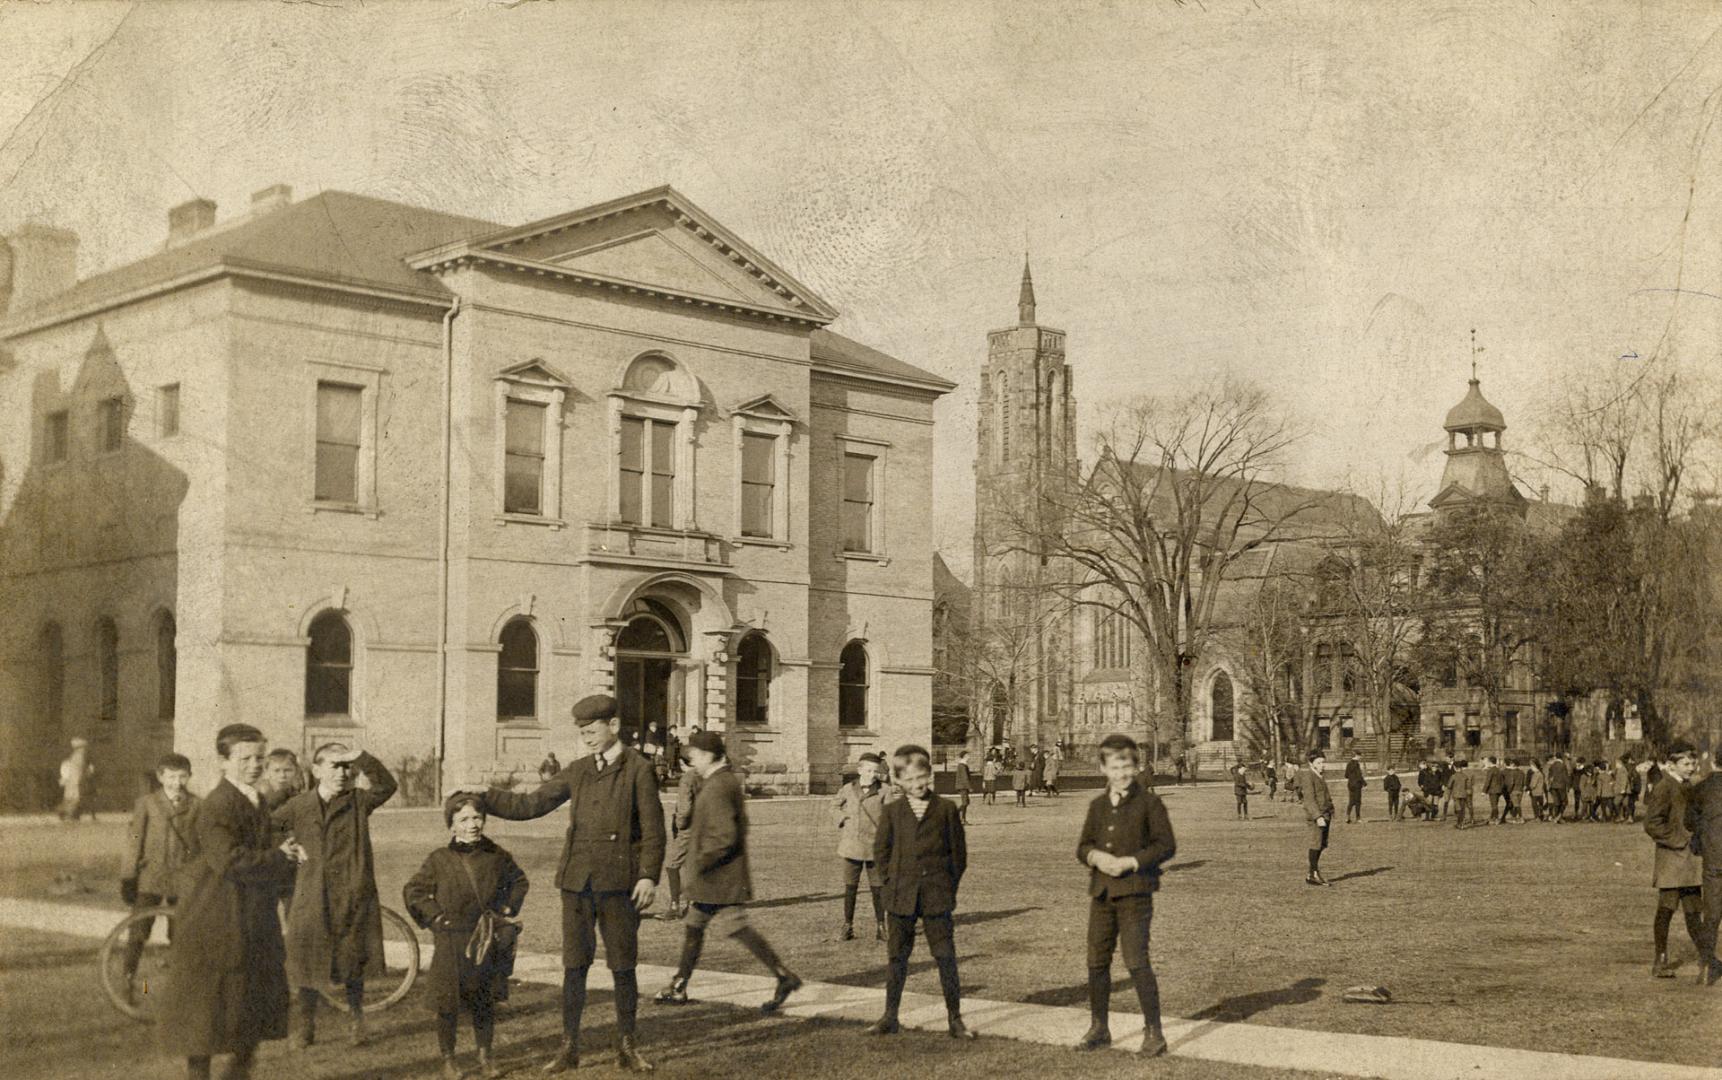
1333	1053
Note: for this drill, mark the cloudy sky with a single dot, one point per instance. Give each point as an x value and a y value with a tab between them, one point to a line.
1323	197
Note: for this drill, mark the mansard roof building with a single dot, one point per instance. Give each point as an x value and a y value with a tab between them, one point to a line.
345	468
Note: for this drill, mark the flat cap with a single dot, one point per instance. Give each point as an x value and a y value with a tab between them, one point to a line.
594	707
709	741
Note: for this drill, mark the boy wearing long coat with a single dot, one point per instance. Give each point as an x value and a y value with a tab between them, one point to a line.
226	989
1678	873
1704	822
160	844
609	870
859	806
335	921
720	885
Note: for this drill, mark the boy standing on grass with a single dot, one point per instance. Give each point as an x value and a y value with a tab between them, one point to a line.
965	781
1704	822
924	852
990	778
1354	784
720	885
1390	785
859	806
1241	790
1019	781
1459	789
461	894
1318	810
676	853
335	921
1678	872
1125	840
160	843
226	990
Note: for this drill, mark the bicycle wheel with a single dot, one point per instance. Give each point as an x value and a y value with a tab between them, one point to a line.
400	967
140	995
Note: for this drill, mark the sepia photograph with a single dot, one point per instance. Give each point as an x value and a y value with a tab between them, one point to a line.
818	540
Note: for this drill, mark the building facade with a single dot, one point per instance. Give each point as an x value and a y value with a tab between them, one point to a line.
348	469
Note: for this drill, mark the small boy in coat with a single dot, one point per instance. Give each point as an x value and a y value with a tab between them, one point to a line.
858	806
1019	782
335	920
1678	871
1126	838
1461	786
1241	789
965	781
720	885
1354	785
458	895
990	779
676	852
159	844
226	990
1390	785
1318	810
923	850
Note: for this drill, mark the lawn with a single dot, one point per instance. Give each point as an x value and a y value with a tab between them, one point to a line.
1532	936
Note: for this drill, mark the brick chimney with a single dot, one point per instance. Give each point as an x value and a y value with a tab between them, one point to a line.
270	198
36	262
188	219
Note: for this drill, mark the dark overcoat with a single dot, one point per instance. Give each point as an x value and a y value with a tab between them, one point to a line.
454	886
335	921
1139	828
922	862
1676	866
1704	821
1317	801
160	843
717	842
226	987
621	843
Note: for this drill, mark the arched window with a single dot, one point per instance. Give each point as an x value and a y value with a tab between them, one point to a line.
517	672
852	686
166	666
1220	708
108	661
53	716
329	667
1111	640
653	414
752	680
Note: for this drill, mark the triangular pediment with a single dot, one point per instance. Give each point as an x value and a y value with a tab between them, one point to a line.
766	407
533	371
654	243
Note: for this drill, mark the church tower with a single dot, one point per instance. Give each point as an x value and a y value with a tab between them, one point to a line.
1025	444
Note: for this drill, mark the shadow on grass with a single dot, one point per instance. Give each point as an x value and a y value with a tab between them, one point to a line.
1072	995
970	918
791	901
1235	1009
1371	872
1193	864
875	977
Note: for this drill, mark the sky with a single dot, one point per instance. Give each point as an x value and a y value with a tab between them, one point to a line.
1323	198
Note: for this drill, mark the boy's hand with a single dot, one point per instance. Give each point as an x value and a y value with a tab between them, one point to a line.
294	850
129	891
644	890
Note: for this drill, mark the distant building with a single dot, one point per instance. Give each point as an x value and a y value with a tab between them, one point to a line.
348	469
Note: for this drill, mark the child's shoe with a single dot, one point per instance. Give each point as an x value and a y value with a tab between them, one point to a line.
487	1066
674	994
1097	1037
451	1070
847	933
788	982
960	1030
628	1056
879	930
885	1025
1153	1043
356	1033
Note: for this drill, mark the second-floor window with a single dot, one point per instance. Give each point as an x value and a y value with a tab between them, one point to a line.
340	413
758	483
523	459
857	502
648	472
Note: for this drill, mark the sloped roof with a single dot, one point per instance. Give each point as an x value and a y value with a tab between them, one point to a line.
336	236
1474	413
839	353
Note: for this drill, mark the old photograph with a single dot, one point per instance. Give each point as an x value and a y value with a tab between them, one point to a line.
835	540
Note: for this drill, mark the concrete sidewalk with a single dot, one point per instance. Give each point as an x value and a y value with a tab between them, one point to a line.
1335	1053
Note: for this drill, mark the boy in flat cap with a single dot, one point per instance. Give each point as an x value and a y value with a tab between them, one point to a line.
859	805
1125	840
1318	810
1678	873
610	866
719	885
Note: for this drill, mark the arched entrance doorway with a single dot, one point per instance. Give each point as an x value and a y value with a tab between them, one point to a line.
648	686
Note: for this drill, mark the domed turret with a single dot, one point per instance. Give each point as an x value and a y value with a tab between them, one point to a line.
1475	413
1476	465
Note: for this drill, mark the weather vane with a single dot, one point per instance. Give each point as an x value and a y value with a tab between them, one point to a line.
1474	351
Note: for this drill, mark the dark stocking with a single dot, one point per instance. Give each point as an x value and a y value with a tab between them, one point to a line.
878	906
1695	929
896	974
849	893
1314	859
627	1001
951	985
761	949
355	997
483	1025
1099	994
445	1032
1148	996
573	1001
675	886
693	941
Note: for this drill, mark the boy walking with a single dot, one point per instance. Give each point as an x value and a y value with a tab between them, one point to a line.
1125	840
923	851
859	806
226	991
720	886
335	921
1318	811
159	844
611	860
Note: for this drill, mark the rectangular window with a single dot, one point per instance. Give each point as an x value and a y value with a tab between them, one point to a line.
758	483
523	459
59	436
1473	730
1323	736
857	502
648	471
339	416
167	410
113	423
1510	728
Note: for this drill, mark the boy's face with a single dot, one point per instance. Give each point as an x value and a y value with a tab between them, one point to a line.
701	760
335	773
1683	766
867	773
173	781
600	735
244	762
915	779
468	824
1119	767
1318	765
282	773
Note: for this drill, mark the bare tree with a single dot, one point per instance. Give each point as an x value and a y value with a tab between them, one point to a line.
1179	491
994	656
1274	661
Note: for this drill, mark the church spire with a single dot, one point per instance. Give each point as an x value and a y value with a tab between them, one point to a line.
1025	301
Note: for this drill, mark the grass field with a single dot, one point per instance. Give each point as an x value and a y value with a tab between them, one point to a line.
1534	936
